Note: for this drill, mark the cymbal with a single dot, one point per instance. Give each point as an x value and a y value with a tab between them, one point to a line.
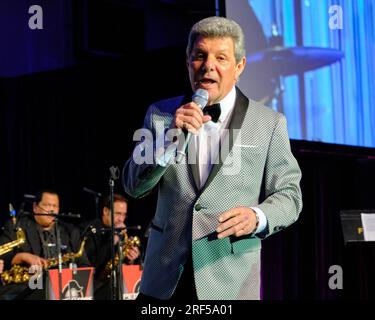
285	61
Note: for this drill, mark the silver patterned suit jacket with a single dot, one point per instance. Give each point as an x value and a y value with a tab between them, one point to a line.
259	170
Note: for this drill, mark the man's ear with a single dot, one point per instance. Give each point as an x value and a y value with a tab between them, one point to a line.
105	211
240	68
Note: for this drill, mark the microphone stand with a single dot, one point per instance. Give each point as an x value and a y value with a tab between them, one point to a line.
97	196
114	176
59	257
21	211
19	216
119	268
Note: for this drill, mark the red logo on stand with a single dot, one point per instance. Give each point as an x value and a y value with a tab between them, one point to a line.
132	275
76	285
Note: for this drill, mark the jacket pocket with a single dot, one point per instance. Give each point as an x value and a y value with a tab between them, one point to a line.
245	244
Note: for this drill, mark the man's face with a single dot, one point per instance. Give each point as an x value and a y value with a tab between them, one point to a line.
120	208
212	66
49	203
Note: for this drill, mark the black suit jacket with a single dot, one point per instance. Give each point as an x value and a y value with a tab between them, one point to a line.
98	247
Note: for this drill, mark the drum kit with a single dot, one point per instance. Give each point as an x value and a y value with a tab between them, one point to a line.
278	61
286	61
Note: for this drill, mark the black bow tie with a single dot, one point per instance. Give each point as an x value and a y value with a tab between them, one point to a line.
214	111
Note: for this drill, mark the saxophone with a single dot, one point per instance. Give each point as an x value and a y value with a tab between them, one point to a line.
128	243
20	273
5	248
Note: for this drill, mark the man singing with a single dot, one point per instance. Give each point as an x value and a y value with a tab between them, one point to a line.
206	235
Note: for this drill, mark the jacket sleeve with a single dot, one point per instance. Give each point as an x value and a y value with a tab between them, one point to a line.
141	172
283	199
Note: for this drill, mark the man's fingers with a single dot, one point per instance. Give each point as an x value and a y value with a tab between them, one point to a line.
242	229
189	112
237	230
236	221
189	117
206	118
189	128
132	256
193	106
37	263
133	253
231	222
229	214
45	263
180	123
194	122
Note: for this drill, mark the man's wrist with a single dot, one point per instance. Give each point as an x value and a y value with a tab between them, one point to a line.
262	220
256	223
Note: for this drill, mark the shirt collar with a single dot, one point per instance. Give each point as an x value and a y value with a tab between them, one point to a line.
227	104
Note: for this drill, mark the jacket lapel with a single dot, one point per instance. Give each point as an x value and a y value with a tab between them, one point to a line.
193	167
195	171
33	237
240	107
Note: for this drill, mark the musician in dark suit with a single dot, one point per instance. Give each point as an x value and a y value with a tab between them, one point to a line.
238	183
98	245
40	232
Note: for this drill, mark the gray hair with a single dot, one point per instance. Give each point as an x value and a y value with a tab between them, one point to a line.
218	27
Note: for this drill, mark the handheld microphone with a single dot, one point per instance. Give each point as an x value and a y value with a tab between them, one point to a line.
200	97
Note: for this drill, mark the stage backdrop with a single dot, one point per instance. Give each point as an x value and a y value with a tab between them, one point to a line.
336	103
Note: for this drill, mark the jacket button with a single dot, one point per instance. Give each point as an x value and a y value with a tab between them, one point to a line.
198	207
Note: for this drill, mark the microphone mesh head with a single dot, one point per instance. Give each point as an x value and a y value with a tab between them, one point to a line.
200	97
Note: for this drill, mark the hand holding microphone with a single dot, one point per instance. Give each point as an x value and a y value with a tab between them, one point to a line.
191	118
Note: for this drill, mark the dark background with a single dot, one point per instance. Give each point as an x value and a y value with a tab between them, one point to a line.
72	95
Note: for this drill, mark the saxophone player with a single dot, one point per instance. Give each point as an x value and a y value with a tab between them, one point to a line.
98	245
40	232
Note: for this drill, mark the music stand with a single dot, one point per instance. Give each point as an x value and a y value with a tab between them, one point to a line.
351	224
359	256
